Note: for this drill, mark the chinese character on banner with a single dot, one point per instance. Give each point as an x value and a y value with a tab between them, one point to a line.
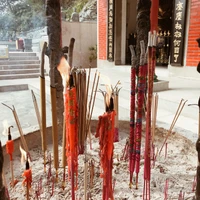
178	32
110	30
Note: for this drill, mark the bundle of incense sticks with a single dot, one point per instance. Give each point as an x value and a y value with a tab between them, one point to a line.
85	109
115	92
82	112
85	105
151	67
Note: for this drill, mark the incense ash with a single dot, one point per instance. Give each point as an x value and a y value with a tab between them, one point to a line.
176	164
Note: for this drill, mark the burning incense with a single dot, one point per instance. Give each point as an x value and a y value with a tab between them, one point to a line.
28	178
43	103
24	144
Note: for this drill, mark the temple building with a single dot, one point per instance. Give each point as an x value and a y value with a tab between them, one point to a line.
178	30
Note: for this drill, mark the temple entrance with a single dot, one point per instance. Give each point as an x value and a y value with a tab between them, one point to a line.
125	31
130	28
125	22
164	32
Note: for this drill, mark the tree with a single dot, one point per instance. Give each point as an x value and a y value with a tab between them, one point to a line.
20	15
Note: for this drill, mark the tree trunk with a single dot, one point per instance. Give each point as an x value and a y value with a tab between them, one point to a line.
54	45
142	26
2	187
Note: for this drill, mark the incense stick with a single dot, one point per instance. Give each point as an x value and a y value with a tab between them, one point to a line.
43	104
89	107
154	115
85	137
25	146
94	98
177	114
37	111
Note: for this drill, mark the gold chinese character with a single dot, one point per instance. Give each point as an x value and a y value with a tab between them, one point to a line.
176	50
177	43
178	16
179	6
176	57
177	34
178	26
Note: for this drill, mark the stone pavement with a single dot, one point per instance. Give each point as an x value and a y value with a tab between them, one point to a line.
18	93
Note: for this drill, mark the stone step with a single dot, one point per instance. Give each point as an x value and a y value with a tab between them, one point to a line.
23	58
19	71
19	66
21	54
17	62
13	88
19	76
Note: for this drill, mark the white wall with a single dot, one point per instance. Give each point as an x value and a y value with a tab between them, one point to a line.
85	35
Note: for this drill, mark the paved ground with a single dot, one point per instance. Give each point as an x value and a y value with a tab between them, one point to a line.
188	89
